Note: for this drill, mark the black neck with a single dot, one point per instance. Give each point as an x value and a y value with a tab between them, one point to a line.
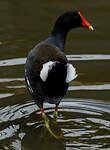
59	39
58	34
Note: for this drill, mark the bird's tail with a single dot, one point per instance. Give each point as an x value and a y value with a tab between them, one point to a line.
55	71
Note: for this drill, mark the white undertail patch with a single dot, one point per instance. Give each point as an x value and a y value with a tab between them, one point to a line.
46	67
71	73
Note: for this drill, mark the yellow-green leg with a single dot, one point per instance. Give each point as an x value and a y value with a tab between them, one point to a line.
44	116
56	112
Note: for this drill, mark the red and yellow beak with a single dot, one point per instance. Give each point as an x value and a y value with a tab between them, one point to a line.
85	23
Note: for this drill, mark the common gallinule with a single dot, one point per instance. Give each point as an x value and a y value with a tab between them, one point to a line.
47	71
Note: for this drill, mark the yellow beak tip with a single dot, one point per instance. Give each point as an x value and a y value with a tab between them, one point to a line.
91	28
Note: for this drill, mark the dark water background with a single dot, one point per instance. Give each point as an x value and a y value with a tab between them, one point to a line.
84	114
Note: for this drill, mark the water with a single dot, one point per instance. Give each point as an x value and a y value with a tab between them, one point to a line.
84	112
86	123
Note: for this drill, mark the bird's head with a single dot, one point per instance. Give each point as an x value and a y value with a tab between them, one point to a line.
69	20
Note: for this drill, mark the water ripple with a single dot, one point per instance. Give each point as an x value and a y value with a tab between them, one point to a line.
11	79
88	57
12	62
79	119
90	87
6	95
21	61
8	132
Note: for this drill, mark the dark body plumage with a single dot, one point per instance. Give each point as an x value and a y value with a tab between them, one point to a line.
54	87
52	49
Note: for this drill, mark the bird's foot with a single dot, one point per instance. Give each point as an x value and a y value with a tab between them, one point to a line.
44	116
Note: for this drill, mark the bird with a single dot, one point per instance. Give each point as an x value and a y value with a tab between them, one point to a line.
47	70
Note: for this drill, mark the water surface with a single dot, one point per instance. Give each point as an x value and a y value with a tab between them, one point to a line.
84	113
